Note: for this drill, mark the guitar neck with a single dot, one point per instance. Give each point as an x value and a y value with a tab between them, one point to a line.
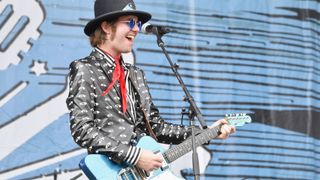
186	146
202	138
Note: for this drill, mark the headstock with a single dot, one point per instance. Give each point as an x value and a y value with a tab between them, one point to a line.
238	119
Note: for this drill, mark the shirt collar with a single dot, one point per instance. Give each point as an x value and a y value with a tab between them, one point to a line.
110	60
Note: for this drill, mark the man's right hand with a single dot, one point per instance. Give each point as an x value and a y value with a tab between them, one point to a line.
149	161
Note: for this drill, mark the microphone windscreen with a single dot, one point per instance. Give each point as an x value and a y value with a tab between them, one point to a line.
145	29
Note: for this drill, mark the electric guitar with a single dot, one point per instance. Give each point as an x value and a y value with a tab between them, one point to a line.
97	166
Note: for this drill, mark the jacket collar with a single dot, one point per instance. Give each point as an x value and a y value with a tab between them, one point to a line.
101	56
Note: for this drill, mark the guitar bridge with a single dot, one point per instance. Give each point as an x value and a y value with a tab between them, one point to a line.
127	174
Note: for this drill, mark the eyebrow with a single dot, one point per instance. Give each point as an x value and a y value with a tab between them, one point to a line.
129	18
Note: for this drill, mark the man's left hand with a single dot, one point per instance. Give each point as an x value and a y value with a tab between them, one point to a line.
225	130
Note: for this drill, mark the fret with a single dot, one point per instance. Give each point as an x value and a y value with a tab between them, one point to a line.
209	135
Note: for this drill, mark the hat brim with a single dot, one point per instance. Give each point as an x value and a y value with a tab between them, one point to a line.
94	23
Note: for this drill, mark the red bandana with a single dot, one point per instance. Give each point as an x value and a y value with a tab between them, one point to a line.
118	74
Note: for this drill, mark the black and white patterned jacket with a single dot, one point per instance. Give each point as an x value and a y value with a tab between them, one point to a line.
97	122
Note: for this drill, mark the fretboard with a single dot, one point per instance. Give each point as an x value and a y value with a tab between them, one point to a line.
186	146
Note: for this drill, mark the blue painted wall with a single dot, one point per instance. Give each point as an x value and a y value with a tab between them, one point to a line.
259	57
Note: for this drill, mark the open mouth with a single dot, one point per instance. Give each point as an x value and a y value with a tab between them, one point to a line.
130	37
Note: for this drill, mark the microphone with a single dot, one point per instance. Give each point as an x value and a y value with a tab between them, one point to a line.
147	28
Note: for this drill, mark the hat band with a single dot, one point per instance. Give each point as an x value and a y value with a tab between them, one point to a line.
129	7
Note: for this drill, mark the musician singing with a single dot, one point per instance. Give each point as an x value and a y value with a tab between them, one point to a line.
109	101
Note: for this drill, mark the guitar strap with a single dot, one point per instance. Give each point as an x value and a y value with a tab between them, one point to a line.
146	118
148	126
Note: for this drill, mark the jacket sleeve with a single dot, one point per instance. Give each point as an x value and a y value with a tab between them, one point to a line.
85	128
165	132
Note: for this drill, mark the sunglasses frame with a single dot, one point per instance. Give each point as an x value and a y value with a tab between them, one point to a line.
131	23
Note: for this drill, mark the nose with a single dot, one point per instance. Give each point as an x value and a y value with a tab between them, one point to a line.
136	27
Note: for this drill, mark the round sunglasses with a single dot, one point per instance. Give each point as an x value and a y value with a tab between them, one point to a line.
131	23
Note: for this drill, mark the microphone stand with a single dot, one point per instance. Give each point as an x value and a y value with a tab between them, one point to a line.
193	108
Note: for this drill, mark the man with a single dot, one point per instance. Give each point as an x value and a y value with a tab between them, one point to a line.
109	101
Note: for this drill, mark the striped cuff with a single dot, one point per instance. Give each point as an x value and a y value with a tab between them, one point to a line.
133	155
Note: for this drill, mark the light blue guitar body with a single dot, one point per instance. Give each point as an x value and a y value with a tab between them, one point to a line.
97	166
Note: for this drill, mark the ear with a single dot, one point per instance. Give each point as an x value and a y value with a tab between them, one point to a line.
106	27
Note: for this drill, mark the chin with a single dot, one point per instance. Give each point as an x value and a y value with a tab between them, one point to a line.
127	51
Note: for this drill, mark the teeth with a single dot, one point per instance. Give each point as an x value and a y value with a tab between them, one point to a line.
130	37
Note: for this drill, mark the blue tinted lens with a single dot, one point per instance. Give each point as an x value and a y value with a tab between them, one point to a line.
132	23
139	25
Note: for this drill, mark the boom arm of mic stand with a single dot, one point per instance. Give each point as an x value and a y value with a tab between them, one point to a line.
193	106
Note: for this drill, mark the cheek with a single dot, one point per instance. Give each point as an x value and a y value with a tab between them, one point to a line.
119	37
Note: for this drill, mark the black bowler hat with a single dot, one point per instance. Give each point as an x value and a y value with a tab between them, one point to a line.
105	10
